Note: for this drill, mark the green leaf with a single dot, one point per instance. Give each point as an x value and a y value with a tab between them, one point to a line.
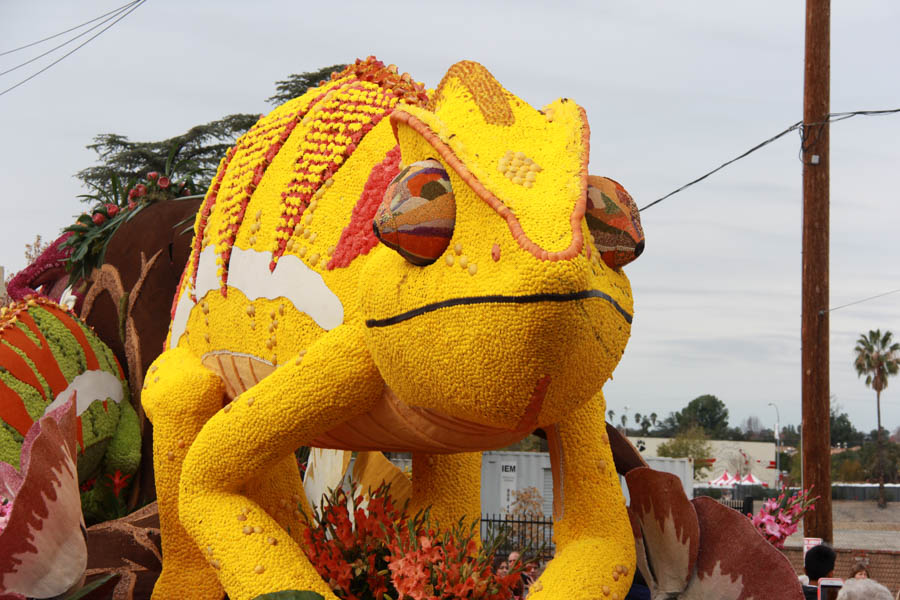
291	595
93	586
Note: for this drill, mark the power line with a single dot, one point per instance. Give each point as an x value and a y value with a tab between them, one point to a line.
66	43
832	117
725	164
822	312
69	53
55	35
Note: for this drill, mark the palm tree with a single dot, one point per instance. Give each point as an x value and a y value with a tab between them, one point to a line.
878	359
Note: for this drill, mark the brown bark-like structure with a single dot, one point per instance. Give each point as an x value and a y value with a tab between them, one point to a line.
814	319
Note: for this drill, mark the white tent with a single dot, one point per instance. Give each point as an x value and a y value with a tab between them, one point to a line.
751	479
723	480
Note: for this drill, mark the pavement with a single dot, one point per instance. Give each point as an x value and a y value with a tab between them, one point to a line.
861	525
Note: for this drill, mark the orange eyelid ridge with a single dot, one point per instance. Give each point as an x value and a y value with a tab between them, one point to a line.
446	153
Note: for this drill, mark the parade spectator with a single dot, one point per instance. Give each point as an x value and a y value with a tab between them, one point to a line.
863	589
859	571
819	562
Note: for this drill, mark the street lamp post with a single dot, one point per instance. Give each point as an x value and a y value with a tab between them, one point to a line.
777	446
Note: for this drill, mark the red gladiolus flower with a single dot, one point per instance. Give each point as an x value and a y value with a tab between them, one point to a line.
112	210
98	218
163	182
140	189
131	204
118	481
152	175
132	193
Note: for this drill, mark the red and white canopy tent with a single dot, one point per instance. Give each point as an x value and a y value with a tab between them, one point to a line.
751	479
724	480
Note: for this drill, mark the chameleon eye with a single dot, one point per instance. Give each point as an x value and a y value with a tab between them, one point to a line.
614	222
417	215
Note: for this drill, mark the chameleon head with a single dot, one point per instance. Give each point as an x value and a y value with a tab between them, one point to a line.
491	298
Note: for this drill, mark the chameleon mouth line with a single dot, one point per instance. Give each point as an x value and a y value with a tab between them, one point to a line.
499	299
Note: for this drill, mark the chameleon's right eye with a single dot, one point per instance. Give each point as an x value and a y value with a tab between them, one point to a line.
417	215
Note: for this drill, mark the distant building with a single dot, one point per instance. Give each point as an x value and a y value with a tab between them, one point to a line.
738	457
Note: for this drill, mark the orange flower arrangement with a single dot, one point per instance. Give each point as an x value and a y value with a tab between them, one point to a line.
381	552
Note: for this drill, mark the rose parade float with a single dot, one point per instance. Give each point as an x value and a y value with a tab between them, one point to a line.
380	267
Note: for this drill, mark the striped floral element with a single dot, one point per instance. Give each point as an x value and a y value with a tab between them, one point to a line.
417	215
336	126
200	232
614	222
39	360
253	153
358	237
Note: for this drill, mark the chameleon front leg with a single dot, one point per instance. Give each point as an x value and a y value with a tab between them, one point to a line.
179	396
450	484
595	556
251	552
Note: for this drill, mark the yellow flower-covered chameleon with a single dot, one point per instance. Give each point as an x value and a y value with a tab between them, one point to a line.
494	306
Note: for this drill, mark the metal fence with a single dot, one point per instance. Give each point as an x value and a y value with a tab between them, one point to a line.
744	506
531	537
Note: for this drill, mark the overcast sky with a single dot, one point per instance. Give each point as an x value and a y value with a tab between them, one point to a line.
671	89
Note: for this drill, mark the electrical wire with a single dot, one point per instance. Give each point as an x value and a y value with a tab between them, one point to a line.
78	47
66	43
799	125
55	35
860	301
725	164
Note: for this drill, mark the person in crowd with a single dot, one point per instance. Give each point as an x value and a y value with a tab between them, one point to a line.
501	568
863	589
512	561
529	574
859	571
819	562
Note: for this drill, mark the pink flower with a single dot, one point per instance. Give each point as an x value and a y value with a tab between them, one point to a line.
163	182
5	507
140	190
132	193
112	210
98	218
152	175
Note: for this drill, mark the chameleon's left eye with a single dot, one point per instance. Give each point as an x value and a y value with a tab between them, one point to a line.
417	215
614	222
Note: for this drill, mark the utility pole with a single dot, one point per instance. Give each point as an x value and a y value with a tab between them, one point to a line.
814	320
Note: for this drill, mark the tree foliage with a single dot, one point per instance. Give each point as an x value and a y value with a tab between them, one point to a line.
707	412
878	358
297	84
692	443
193	155
843	433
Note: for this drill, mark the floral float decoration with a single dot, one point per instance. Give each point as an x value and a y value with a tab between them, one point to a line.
367	547
49	357
700	549
46	276
779	518
42	545
294	326
92	231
